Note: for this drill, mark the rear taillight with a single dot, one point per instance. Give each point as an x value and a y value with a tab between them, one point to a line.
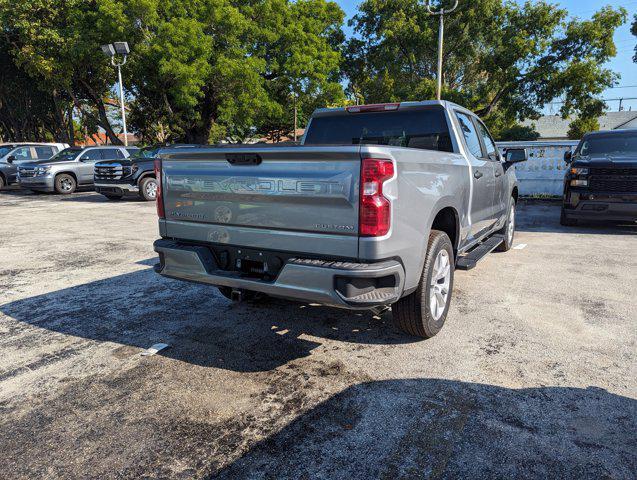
375	208
159	199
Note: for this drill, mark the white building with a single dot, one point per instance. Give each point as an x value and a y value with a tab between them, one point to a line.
554	127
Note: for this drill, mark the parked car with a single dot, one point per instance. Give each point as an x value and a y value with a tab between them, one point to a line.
69	169
131	176
14	154
601	181
375	208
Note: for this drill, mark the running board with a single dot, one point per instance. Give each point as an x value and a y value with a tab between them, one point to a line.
469	260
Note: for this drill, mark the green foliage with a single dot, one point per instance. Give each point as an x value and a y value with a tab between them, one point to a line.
581	125
208	70
517	132
211	70
501	59
199	70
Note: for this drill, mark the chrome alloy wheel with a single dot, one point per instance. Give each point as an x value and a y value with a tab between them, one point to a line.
151	189
66	184
511	225
439	286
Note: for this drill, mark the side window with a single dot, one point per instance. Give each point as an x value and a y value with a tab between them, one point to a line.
92	155
110	153
492	151
44	153
470	135
22	154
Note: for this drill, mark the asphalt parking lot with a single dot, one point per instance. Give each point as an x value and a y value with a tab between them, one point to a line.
534	374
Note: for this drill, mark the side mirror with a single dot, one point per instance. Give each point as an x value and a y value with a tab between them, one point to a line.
84	158
516	155
568	156
11	159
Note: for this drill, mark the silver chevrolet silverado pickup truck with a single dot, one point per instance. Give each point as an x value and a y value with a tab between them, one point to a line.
375	208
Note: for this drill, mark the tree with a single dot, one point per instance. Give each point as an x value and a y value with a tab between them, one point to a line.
211	70
199	70
517	132
501	59
57	42
578	127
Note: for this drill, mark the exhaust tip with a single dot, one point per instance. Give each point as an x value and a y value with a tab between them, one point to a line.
236	295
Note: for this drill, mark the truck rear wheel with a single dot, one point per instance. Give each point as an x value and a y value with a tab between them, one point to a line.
423	312
65	183
508	231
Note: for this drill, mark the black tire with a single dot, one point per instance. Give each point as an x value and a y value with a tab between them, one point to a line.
113	197
65	184
508	231
412	314
565	221
2	182
145	189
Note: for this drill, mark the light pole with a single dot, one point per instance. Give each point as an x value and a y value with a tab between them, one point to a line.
441	30
110	50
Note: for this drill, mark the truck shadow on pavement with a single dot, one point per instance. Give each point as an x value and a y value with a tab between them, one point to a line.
545	217
434	428
141	308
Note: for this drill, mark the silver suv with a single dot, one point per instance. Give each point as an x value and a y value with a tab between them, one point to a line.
69	169
16	153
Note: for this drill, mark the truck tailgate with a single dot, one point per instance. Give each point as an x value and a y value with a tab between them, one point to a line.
254	196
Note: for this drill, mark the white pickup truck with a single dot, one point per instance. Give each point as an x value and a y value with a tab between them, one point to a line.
375	208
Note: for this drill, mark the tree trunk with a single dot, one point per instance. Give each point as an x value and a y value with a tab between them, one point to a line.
200	131
71	126
101	110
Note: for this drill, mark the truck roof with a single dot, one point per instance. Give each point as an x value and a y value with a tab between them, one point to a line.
623	131
319	112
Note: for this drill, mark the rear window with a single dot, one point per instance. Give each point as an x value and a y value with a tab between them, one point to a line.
616	143
425	129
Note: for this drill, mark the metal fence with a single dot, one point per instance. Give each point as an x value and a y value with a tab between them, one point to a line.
543	174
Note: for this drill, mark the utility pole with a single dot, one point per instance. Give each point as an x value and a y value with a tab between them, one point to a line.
295	117
441	30
110	50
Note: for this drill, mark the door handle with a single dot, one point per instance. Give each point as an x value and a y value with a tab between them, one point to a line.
497	174
477	174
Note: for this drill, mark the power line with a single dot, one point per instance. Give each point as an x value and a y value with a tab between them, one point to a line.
602	99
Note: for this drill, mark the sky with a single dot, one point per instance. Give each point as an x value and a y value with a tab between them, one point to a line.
624	41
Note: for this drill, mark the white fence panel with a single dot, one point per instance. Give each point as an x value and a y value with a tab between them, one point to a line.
543	173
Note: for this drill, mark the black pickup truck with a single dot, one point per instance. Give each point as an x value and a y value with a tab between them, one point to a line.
601	181
131	176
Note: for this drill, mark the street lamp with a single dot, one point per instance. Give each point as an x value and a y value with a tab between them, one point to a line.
440	12
111	50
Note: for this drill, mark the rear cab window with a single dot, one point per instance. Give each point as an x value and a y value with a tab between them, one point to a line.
422	128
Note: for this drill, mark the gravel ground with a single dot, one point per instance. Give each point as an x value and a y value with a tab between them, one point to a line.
533	376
